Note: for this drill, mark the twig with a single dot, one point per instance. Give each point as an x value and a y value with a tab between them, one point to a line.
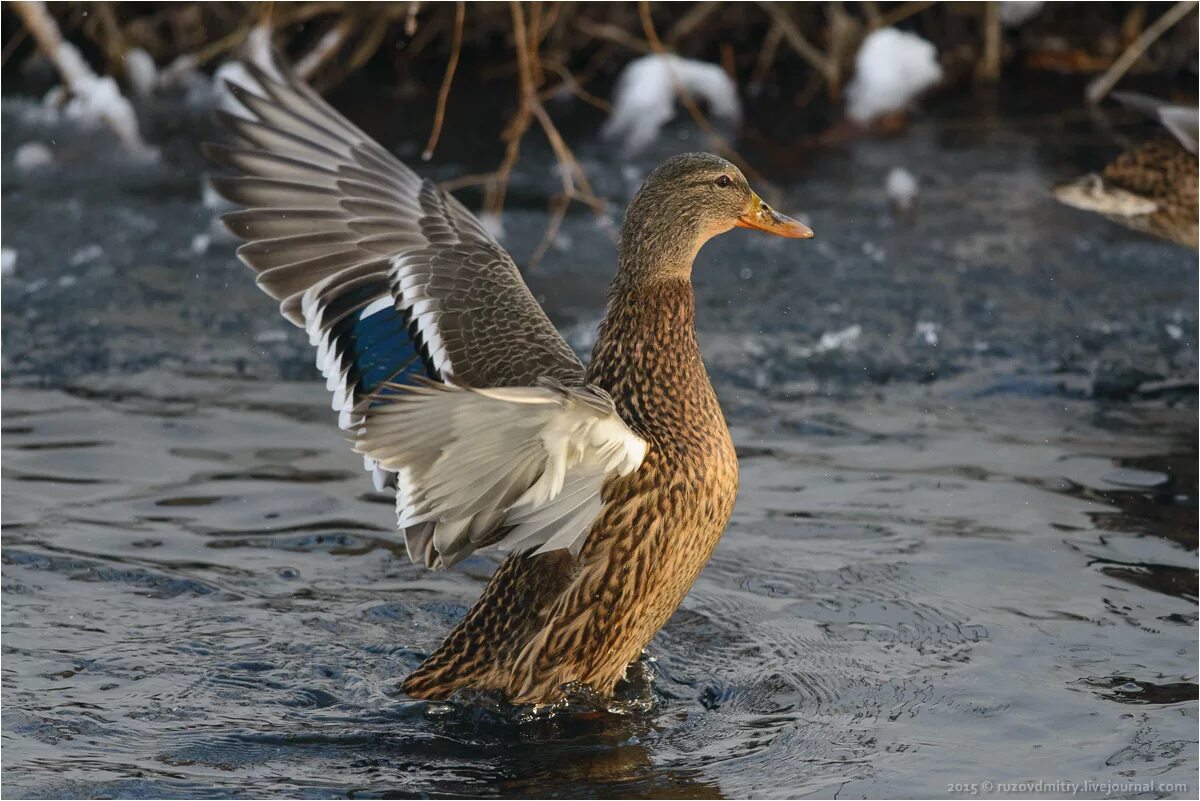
729	61
558	212
111	39
45	31
818	60
474	179
988	68
12	46
766	56
447	80
572	85
843	35
575	185
1101	86
689	103
421	39
901	13
326	47
515	130
298	12
366	48
222	45
874	18
690	21
534	35
611	33
77	75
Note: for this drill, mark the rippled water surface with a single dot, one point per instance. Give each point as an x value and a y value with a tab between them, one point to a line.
964	548
201	596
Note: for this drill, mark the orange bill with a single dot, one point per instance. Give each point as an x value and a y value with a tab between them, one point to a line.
762	217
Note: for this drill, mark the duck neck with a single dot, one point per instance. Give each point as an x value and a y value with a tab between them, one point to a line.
644	318
646	355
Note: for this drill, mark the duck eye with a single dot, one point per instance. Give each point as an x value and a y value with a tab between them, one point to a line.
723	181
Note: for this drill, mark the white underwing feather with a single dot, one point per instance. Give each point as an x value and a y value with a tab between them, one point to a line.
532	459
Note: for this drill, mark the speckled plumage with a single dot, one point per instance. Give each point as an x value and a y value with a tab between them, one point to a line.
1163	172
1153	187
611	485
585	620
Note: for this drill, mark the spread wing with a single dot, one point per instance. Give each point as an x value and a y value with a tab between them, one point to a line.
392	278
521	466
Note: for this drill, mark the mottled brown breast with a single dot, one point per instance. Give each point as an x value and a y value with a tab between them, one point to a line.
548	620
660	524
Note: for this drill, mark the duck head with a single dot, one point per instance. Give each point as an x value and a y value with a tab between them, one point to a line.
688	200
1093	193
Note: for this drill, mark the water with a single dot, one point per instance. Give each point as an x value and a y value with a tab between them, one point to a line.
201	597
950	563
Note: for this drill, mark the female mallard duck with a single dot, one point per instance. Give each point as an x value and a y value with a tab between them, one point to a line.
1152	188
610	485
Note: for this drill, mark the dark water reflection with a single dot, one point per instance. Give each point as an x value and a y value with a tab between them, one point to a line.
201	599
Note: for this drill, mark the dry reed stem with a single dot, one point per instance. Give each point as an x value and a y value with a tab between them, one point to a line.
766	56
575	184
901	13
1101	86
611	33
571	84
366	48
75	72
447	79
690	21
791	32
328	46
109	36
845	34
988	67
12	45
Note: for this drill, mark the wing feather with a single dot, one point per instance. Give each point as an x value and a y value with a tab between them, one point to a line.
533	460
394	281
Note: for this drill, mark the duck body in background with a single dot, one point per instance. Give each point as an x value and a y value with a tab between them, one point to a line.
609	486
1152	188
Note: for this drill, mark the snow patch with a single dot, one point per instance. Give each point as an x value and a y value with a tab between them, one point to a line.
141	72
8	261
493	223
646	92
95	99
1014	13
901	187
892	67
33	156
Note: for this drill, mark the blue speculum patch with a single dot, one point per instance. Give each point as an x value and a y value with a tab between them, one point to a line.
384	350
